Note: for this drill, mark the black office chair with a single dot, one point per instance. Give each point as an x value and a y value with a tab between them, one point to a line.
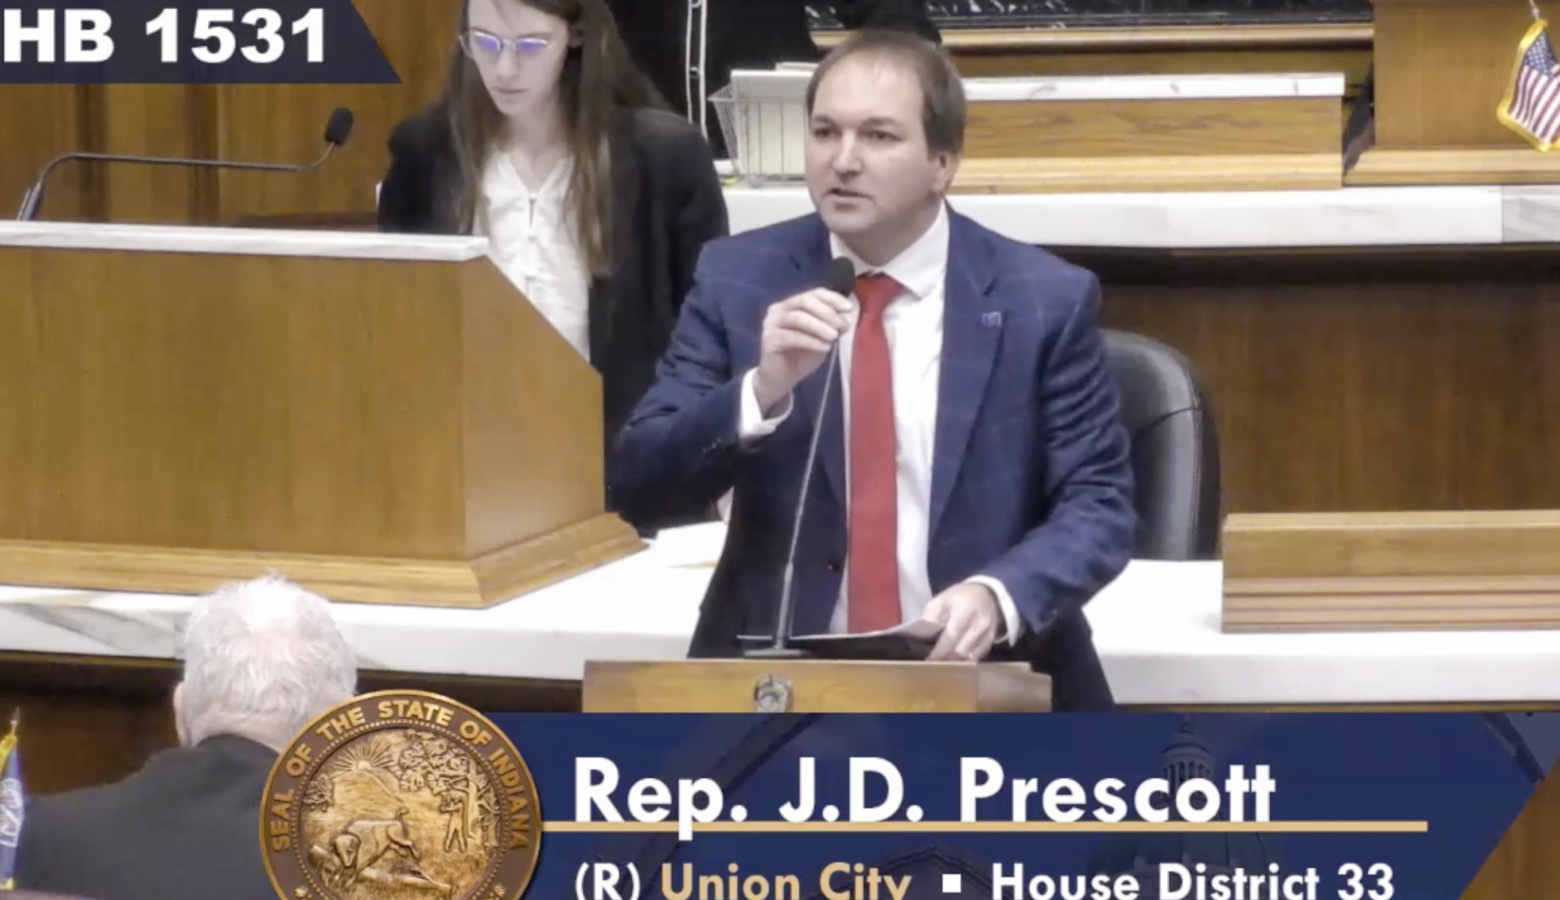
1175	449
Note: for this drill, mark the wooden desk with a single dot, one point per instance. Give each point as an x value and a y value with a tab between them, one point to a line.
102	665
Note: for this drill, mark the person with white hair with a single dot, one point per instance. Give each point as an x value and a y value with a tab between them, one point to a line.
262	659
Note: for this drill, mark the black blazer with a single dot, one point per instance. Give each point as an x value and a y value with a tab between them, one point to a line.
742	34
667	201
185	827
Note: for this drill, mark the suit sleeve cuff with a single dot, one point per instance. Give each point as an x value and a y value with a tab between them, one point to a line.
751	424
1010	618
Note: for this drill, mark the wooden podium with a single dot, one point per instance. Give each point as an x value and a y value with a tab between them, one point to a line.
1397	571
1442	68
813	686
379	419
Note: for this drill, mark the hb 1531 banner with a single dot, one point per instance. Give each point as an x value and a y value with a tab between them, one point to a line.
189	42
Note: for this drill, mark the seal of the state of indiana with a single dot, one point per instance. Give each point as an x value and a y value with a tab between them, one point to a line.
400	795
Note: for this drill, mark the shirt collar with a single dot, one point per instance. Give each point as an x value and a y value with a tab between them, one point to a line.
920	268
504	179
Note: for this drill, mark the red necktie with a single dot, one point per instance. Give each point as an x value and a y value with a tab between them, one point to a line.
872	598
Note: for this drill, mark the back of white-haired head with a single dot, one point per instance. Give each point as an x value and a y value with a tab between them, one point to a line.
262	658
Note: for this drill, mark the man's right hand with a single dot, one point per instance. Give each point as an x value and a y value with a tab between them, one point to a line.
798	333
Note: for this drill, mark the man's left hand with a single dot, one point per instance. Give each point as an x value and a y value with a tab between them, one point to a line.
970	617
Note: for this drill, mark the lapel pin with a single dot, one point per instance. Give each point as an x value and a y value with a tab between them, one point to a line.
991	319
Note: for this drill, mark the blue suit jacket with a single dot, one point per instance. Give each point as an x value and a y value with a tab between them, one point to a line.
1031	477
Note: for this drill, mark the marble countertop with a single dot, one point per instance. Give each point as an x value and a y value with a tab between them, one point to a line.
1347	217
248	241
952	15
790	82
1468	215
1156	627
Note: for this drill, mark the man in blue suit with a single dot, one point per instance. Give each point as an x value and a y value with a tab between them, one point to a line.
974	469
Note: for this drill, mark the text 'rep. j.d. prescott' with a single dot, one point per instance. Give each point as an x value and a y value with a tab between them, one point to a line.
877	793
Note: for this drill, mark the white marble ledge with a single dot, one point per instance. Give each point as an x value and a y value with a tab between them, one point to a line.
1254	85
1156	628
1530	213
790	83
1347	217
244	241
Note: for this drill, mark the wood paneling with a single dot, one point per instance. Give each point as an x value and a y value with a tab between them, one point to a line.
86	721
211	415
285	123
1089	174
1397	571
813	686
1165	37
1392	544
1442	67
1478	165
1372	380
91	720
158	120
1158	51
255	123
1274	143
1154	128
1352	62
57	121
1167	51
417	37
415	427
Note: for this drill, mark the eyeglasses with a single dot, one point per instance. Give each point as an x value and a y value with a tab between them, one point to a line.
491	46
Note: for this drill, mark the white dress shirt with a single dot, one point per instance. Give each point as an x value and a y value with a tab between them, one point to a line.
533	241
914	323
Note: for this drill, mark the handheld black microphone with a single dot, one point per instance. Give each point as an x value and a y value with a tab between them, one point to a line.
841	279
337	131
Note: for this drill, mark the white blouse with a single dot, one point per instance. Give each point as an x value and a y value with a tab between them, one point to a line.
532	239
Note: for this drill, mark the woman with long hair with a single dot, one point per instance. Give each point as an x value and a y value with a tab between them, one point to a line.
596	200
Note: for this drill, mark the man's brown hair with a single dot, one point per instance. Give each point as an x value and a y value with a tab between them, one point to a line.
943	106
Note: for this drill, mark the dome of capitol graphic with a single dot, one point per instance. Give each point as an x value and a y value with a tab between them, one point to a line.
1184	757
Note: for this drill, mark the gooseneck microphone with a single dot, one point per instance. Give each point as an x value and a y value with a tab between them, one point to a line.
841	279
337	131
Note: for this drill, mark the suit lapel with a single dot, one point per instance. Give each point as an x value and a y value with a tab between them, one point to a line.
812	263
973	319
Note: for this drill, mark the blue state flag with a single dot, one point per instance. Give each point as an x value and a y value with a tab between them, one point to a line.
13	802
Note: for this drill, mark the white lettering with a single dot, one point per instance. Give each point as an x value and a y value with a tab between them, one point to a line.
1061	887
1109	800
16	35
979	777
860	767
589	792
86	36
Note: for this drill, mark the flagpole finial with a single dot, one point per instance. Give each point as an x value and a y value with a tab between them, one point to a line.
16	718
1533	7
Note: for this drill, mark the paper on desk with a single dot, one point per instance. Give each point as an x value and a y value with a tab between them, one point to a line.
911	641
916	629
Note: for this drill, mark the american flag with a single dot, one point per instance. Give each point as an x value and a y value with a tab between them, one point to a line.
13	803
1533	108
